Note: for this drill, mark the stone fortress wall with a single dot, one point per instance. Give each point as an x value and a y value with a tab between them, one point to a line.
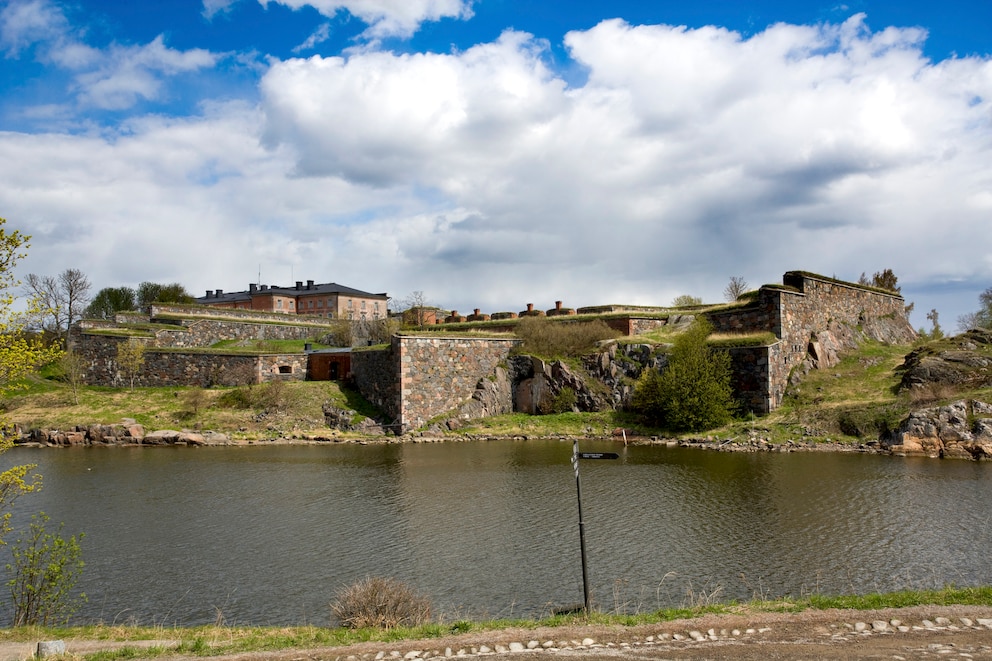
418	378
165	332
806	313
164	367
434	375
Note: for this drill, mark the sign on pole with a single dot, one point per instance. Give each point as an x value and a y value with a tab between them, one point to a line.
576	455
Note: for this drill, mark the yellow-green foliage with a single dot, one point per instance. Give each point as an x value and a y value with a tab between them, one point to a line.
20	353
131	358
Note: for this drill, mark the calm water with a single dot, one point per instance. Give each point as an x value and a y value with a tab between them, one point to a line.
265	535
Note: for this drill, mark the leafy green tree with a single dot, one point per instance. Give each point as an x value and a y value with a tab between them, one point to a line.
111	300
44	572
693	393
982	318
153	292
884	279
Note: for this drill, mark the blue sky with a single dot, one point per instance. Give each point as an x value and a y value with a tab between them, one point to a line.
496	153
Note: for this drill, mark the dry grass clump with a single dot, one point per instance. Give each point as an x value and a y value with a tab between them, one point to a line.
379	602
561	339
932	393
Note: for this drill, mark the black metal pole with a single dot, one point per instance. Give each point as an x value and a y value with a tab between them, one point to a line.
582	532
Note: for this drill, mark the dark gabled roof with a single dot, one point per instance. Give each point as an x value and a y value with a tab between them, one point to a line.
300	289
326	288
226	297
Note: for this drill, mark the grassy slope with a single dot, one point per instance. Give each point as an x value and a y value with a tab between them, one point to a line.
264	411
852	402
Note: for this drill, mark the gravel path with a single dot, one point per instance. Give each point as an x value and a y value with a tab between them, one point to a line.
921	632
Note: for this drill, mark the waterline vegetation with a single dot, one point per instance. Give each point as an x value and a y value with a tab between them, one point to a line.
221	640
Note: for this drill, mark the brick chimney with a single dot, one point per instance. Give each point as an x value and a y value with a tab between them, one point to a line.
557	305
530	307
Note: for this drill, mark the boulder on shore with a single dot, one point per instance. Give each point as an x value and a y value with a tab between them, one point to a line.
962	429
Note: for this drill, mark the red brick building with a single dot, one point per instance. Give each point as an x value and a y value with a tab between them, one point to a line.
329	300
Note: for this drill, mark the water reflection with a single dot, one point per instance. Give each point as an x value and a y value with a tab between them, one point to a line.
265	535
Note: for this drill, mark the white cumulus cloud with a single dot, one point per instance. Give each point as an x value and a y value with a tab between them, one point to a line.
482	178
388	18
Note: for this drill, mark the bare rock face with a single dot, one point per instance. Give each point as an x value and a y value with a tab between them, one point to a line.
492	396
345	420
554	387
956	430
963	360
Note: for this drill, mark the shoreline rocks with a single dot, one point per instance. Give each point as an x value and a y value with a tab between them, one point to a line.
959	430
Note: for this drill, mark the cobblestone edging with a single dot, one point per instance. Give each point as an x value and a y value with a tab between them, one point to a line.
839	632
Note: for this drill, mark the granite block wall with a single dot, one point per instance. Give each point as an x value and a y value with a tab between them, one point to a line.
375	373
177	368
437	374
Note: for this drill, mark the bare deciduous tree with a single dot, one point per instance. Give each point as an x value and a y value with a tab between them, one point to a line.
72	369
62	298
416	309
980	319
736	287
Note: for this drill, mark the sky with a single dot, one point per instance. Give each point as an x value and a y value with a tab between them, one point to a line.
494	153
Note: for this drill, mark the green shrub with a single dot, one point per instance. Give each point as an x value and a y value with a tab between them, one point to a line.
44	572
561	339
563	402
237	398
693	393
380	602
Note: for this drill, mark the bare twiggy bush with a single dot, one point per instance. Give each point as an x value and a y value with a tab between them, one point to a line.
931	393
380	602
553	339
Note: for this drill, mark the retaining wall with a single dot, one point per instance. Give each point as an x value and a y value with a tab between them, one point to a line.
438	374
805	305
375	373
177	368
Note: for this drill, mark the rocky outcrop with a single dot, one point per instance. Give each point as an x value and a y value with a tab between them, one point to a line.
493	395
826	347
962	429
618	366
963	361
556	387
344	419
127	433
